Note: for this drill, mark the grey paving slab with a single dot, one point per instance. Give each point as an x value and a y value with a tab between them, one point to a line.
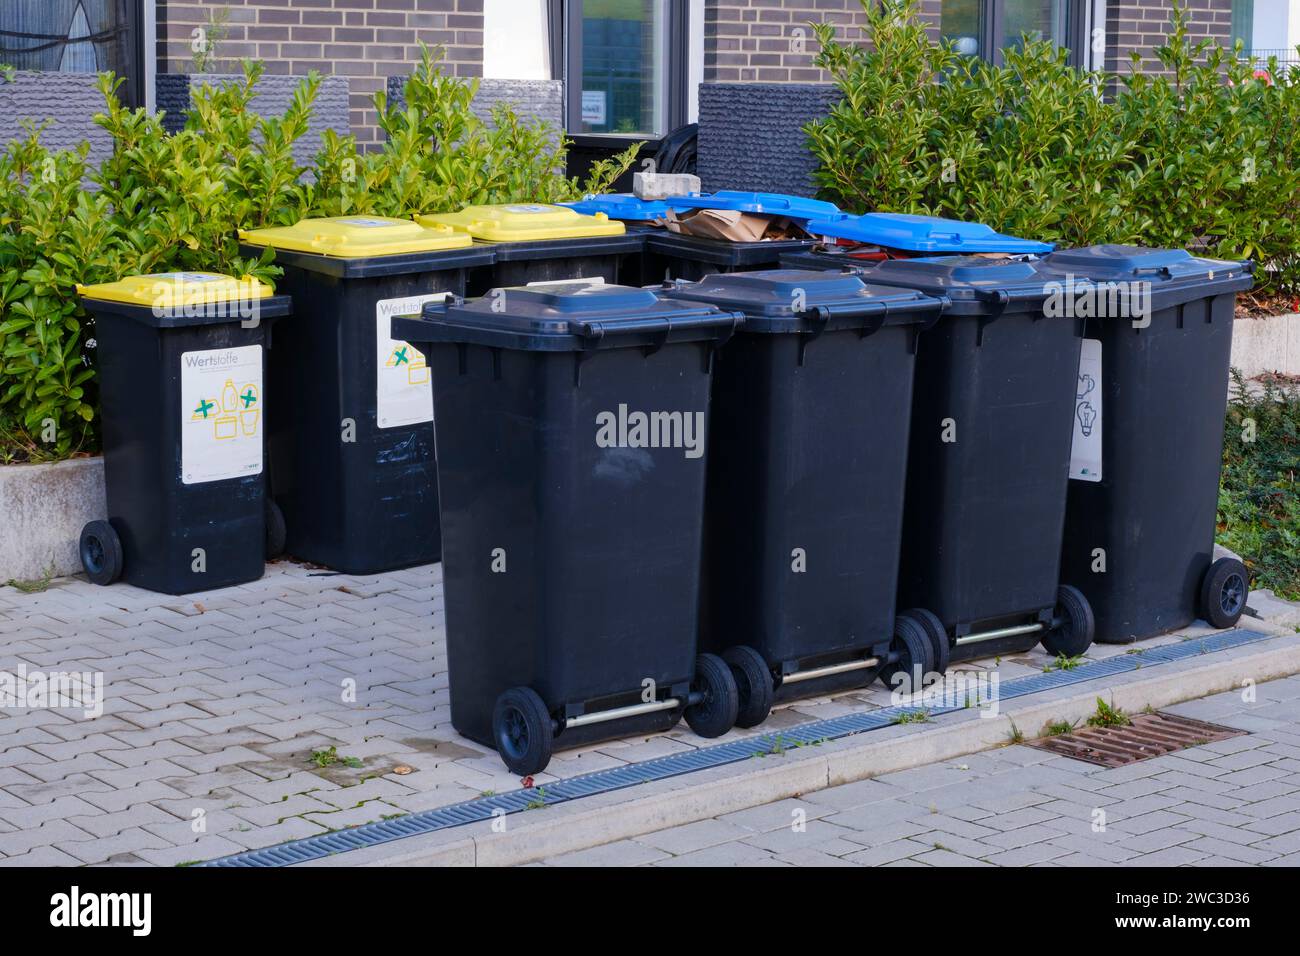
215	702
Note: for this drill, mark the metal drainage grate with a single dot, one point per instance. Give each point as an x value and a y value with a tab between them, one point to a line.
660	768
1146	736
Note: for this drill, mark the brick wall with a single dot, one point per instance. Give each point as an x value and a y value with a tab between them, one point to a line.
1142	25
364	40
754	41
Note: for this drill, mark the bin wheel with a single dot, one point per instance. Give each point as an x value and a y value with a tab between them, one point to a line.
938	635
275	530
101	552
1073	625
715	713
915	655
753	684
522	729
1224	591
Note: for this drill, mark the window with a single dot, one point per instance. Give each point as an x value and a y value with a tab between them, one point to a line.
1243	23
984	28
624	66
75	36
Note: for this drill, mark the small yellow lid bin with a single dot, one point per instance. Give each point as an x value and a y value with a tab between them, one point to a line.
524	222
167	290
358	237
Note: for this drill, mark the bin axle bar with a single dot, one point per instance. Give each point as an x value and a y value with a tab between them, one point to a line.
1000	632
617	713
829	669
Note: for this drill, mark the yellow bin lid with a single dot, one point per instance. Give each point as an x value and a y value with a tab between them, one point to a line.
524	222
357	237
168	290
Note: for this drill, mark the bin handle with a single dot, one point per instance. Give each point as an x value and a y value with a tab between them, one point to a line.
597	330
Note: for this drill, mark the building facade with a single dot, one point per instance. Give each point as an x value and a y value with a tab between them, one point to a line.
630	68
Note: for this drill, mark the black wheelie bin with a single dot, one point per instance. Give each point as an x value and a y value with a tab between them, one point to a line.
539	242
989	458
181	359
807	463
351	431
571	462
1148	437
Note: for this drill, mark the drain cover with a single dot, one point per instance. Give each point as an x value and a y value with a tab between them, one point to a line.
1149	735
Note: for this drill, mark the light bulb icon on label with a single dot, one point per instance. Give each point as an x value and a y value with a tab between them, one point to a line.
1087	416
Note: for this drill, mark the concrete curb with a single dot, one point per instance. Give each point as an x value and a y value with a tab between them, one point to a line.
580	824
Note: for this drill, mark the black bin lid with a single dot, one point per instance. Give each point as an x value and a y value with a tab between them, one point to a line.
972	283
567	316
806	300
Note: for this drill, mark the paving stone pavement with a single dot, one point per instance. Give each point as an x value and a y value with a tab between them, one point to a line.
1229	803
216	702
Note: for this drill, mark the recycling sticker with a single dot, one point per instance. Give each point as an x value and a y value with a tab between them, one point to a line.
403	388
1085	450
222	418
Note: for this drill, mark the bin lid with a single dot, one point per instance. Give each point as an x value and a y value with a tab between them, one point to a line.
768	204
1110	261
792	300
524	222
969	279
168	299
923	234
357	237
625	206
566	316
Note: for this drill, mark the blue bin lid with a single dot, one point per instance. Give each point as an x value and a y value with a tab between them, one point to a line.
1111	262
566	316
793	300
624	206
768	204
923	234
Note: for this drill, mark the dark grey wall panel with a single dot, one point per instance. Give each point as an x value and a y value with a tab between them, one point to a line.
66	100
541	98
274	93
751	135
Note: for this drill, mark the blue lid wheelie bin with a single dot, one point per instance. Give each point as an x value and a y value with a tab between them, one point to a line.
989	458
571	463
1148	437
882	235
807	463
181	358
671	255
351	430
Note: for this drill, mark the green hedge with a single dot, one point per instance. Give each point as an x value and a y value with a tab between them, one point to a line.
1205	157
165	202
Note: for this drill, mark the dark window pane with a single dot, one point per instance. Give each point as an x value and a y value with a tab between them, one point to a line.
624	52
1041	19
961	22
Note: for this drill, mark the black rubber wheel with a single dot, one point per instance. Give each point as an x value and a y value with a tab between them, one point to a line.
938	635
715	714
1073	625
1224	591
522	730
101	552
753	684
915	655
275	530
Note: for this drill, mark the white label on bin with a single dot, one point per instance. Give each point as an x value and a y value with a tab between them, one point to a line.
403	389
1085	452
369	223
222	418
